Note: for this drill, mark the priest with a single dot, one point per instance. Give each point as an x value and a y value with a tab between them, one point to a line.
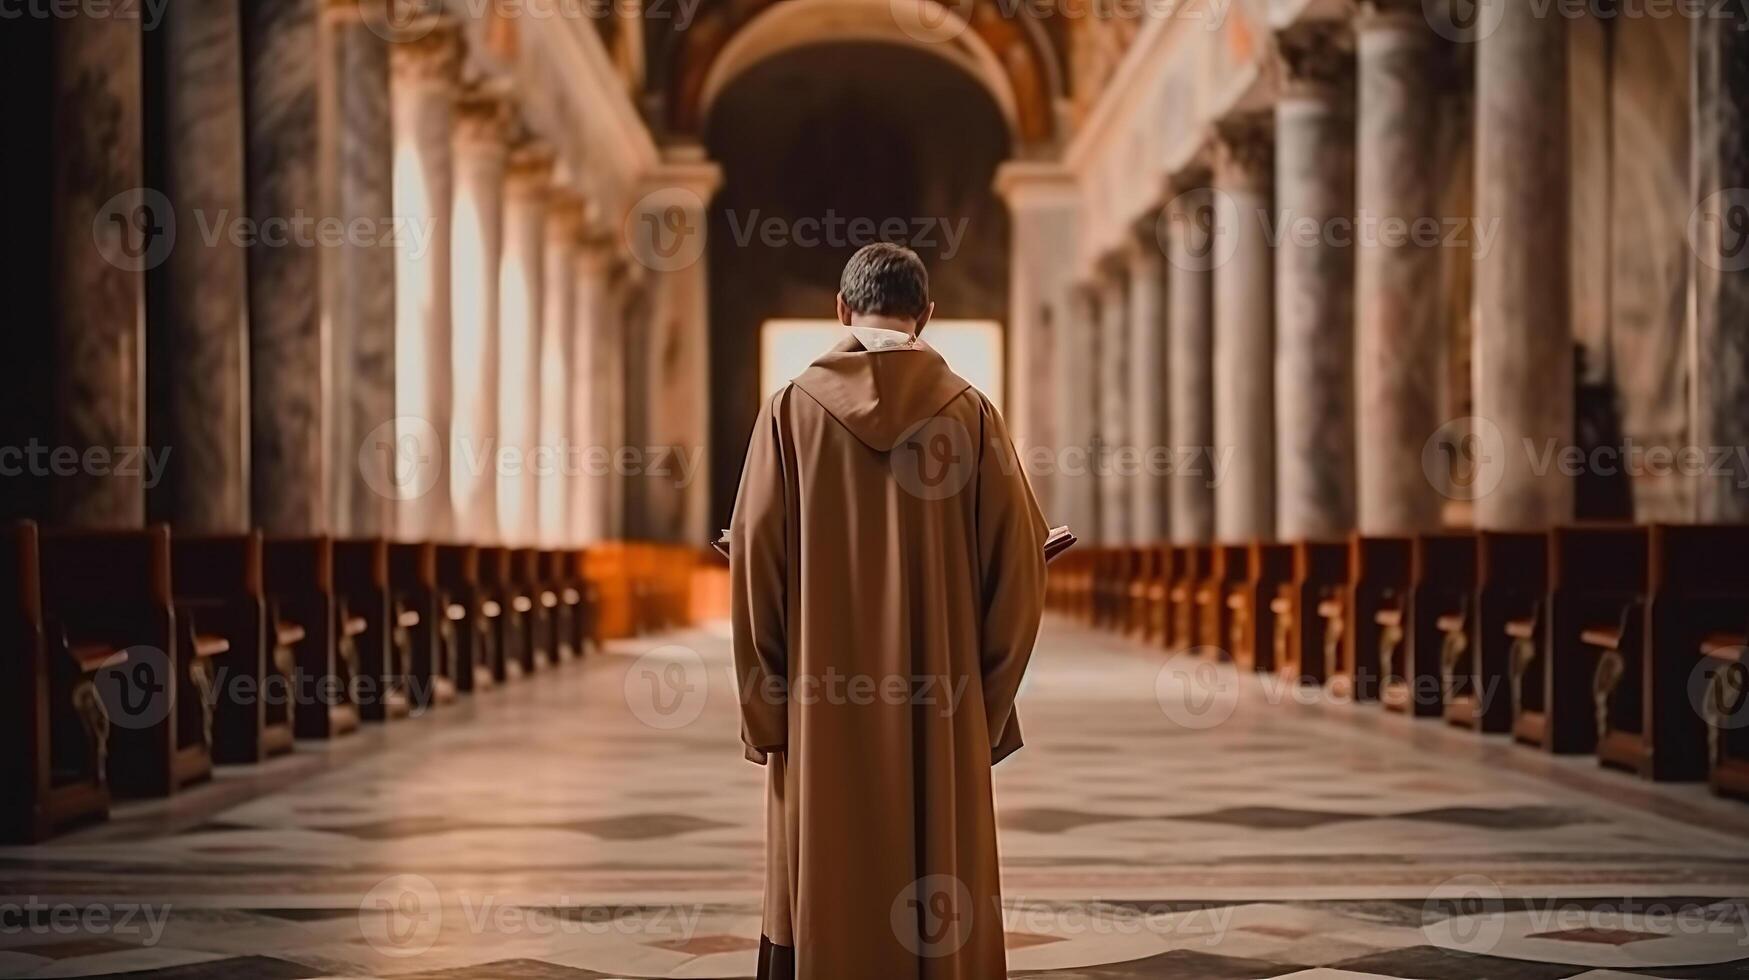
888	575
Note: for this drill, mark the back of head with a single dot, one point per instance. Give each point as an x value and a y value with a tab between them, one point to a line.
885	280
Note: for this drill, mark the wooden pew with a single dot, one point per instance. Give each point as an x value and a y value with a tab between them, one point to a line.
299	575
1319	600
1156	570
419	610
1442	618
220	589
1231	609
561	569
1512	584
56	730
385	644
110	591
1194	564
605	571
1104	579
1698	598
1725	706
1142	564
1375	652
500	590
470	636
1596	614
1271	569
536	601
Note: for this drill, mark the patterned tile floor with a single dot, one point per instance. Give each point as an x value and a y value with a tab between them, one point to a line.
1165	820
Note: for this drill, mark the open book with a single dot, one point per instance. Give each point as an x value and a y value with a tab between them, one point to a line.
1061	539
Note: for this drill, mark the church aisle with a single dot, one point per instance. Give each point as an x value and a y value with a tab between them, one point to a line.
1167	819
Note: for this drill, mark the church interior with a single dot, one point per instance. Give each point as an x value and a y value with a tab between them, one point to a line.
382	370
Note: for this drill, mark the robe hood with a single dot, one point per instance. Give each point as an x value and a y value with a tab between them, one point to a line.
881	395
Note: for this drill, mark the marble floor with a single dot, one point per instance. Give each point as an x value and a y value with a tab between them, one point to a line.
1167	819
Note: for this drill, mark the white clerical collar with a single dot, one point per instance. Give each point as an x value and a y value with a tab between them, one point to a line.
875	338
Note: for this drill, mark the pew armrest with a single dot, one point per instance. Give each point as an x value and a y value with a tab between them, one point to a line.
1521	629
353	626
1388	617
1726	647
1330	608
1602	637
1450	623
286	634
408	618
210	645
93	657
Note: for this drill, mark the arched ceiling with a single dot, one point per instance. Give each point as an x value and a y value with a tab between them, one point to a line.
1017	56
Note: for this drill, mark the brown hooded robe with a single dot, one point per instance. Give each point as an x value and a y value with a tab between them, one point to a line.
888	579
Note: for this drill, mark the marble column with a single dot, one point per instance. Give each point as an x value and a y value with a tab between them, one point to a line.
1314	287
1524	330
1719	348
666	230
476	248
1076	486
99	294
1151	487
561	387
527	183
1117	457
1043	202
1244	346
198	323
1399	337
593	384
288	340
1190	358
422	91
358	273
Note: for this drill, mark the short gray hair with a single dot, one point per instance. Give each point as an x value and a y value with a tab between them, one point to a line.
884	279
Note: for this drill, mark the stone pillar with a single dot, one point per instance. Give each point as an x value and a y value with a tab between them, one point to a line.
593	384
625	319
198	328
1076	486
1151	487
1400	340
422	90
1042	204
481	123
1524	329
1190	220
358	273
561	386
528	180
1314	287
1116	452
1720	325
288	340
1244	330
99	294
666	231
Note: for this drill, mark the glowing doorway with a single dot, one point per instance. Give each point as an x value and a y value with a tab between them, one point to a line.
973	348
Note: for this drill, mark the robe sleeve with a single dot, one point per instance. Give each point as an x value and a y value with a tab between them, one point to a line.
758	576
1011	539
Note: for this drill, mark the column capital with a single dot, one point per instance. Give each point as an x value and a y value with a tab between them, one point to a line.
529	169
597	252
433	55
564	214
482	117
1030	184
1316	57
1244	150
